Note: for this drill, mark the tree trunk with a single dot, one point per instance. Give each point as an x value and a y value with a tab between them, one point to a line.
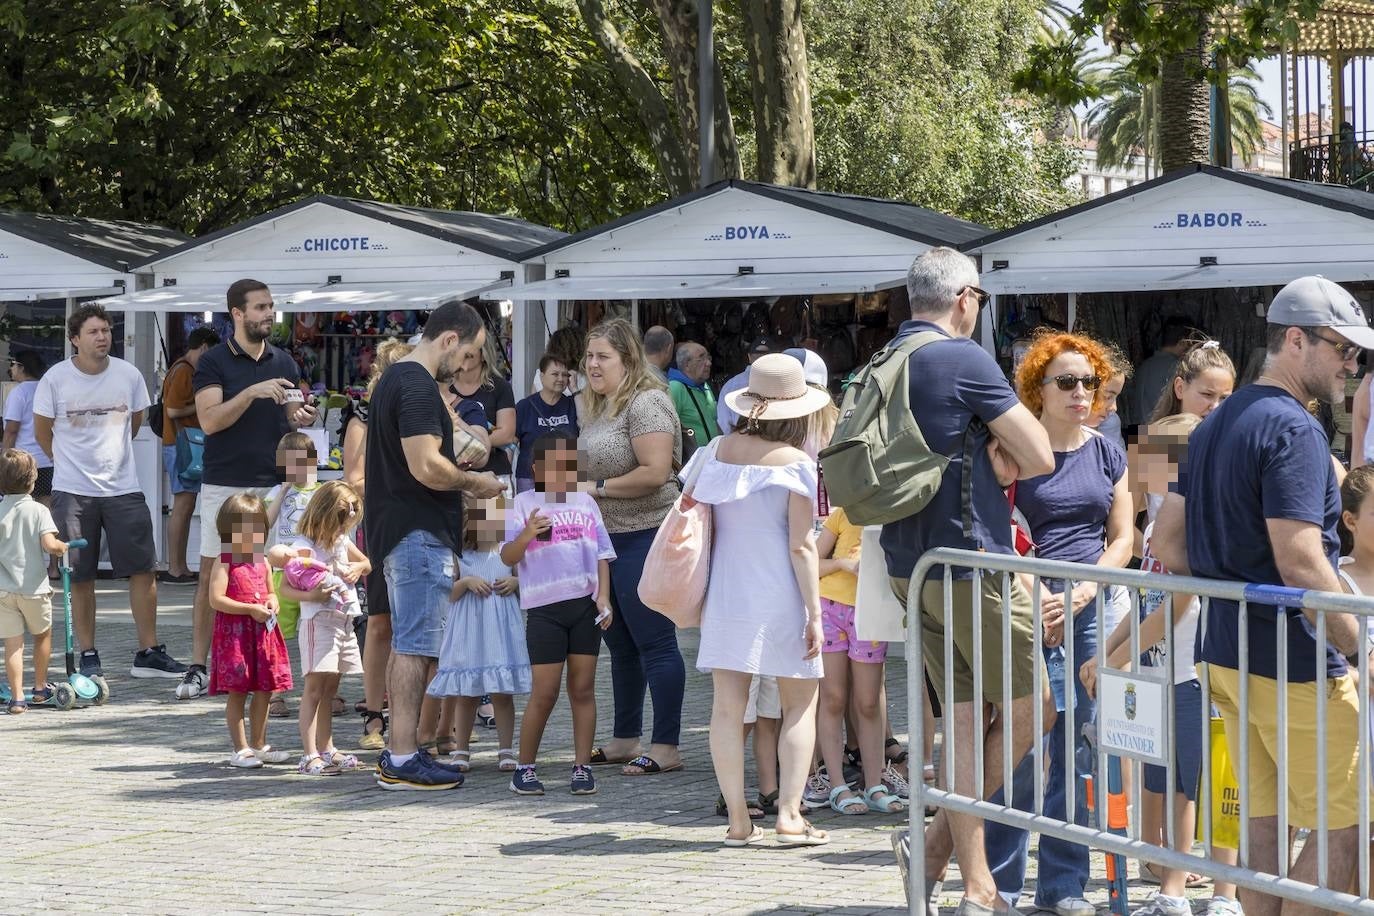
677	21
675	161
1185	107
782	91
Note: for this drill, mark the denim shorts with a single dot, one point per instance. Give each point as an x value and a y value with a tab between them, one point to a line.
1187	744
169	464
419	576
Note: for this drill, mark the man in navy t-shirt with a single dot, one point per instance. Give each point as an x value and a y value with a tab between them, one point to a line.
955	382
1257	501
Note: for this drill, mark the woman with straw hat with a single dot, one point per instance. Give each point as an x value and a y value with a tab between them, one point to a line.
762	614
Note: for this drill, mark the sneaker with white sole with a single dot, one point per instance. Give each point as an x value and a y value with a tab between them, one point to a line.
195	683
1070	906
1160	905
583	783
524	782
90	663
155	662
1223	906
817	788
267	755
896	783
245	759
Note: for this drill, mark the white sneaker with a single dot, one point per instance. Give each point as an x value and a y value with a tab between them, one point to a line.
267	755
1161	905
1223	906
896	783
245	759
817	788
1072	906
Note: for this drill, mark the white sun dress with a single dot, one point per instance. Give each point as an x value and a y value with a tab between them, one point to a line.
754	620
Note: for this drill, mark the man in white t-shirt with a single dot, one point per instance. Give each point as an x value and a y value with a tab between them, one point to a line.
86	412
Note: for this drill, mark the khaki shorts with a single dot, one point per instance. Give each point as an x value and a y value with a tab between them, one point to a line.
764	702
328	644
20	614
990	610
212	497
1343	726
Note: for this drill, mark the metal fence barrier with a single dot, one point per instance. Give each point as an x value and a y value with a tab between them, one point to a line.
1330	893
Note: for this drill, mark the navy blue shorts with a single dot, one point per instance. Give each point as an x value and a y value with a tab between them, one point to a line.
1187	730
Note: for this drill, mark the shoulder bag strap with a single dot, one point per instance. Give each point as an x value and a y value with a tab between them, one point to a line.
701	415
689	485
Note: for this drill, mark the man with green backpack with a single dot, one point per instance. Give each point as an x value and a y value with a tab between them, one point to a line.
929	433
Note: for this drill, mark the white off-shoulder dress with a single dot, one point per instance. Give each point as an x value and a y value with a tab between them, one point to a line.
754	619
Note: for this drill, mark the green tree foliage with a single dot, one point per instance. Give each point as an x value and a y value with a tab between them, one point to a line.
199	113
1126	121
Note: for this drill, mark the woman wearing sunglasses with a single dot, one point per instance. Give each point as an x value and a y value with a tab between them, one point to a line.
1080	512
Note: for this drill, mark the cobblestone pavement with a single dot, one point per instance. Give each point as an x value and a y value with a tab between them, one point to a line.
128	808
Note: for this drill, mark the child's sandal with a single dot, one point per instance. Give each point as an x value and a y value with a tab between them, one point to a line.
336	758
276	707
506	761
462	760
17	707
316	766
43	694
888	803
900	756
446	746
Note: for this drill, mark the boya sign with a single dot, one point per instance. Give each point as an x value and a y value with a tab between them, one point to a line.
746	234
1210	219
330	244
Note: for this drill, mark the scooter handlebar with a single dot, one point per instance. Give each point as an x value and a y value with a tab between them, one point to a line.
76	543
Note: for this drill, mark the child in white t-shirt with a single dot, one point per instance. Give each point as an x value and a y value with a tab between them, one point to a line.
286	504
27	535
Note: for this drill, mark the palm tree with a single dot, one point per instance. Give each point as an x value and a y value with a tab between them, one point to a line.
1052	31
1127	120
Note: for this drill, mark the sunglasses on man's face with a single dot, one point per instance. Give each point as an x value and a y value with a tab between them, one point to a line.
983	296
1070	382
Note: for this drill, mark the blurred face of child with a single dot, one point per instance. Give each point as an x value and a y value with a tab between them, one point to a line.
556	470
1202	395
1361	525
1111	390
1155	459
295	466
249	540
487	520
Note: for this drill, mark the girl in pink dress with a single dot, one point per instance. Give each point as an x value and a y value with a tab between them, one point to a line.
248	654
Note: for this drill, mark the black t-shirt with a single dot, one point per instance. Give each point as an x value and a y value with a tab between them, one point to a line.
495	395
406	403
245	454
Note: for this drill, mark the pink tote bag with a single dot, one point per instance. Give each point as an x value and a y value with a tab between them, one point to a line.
678	565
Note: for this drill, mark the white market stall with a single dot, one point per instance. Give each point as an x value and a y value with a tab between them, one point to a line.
1205	243
352	272
736	242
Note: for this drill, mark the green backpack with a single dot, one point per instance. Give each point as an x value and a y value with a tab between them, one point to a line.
878	467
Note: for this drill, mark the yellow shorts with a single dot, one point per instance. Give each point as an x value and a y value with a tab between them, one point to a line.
1264	731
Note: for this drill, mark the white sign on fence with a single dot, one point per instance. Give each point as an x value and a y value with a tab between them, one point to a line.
1133	715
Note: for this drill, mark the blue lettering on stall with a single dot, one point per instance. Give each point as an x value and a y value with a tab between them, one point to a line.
746	234
1211	219
336	243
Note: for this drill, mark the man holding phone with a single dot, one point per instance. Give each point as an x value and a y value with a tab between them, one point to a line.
247	397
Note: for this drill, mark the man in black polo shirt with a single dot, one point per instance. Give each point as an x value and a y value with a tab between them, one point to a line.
241	387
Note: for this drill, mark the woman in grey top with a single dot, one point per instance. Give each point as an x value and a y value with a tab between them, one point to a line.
630	436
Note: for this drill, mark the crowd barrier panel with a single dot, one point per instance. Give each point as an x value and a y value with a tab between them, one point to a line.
1099	837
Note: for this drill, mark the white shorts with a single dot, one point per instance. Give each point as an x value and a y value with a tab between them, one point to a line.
328	644
1115	610
764	702
211	498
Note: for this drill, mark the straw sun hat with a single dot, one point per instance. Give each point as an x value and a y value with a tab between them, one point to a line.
777	391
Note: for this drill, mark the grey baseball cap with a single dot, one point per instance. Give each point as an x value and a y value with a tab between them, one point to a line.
1316	302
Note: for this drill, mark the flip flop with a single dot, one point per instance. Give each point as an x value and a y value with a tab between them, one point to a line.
599	758
755	836
808	837
1148	876
648	766
755	809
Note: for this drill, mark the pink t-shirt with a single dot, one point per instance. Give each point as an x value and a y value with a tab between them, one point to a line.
563	567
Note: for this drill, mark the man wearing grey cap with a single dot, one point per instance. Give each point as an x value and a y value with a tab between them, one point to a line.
1257	501
725	417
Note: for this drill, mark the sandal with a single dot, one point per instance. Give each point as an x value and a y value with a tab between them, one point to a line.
506	761
599	758
852	805
460	760
316	766
43	695
337	707
723	810
889	803
647	766
17	707
898	757
1148	875
446	746
809	836
485	721
769	803
336	758
268	755
276	709
373	741
755	836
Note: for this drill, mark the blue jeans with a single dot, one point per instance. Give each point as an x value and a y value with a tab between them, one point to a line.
419	574
1063	866
644	650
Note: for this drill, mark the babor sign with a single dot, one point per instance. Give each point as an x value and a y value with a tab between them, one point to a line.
1132	715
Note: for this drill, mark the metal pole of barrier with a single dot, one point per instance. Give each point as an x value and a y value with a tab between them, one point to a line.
1070	695
1242	763
947	749
1100	776
1038	664
1008	742
1205	787
1362	666
915	690
978	737
1323	876
1281	711
1170	724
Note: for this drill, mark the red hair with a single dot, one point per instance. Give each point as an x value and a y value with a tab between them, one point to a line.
1046	348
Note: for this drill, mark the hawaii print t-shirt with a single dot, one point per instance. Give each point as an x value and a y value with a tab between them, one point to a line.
564	566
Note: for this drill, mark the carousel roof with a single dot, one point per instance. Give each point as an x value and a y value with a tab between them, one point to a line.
1344	25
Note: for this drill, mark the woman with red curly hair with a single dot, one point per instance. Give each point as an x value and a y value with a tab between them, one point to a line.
1080	512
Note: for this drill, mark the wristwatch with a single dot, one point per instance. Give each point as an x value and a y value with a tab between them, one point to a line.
601	489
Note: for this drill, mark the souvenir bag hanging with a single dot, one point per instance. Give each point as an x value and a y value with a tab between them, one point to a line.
678	564
1225	793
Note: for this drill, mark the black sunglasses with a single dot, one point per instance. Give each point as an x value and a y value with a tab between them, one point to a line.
983	296
1070	382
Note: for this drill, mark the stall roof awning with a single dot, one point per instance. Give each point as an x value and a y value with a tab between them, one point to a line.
417	294
29	294
1013	281
707	286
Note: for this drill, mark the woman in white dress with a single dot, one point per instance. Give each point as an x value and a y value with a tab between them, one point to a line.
762	614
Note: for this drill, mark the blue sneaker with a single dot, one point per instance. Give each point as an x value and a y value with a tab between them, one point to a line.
524	782
415	775
90	664
582	781
436	762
